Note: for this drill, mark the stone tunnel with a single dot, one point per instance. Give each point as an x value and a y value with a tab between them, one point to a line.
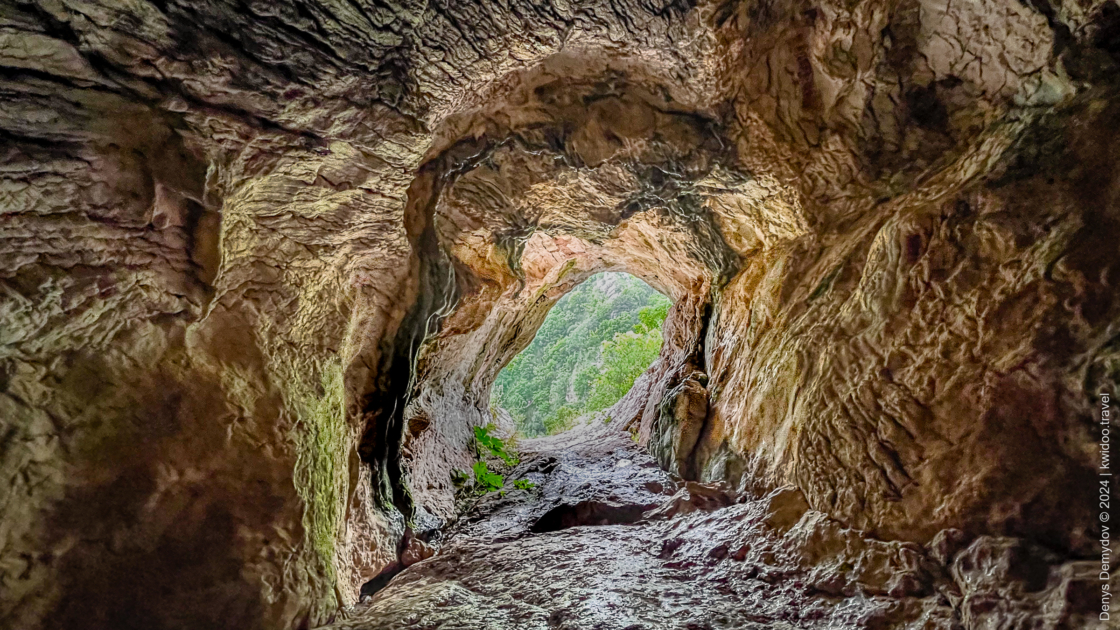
261	262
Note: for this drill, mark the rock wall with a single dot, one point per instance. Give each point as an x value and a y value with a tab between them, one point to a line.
939	366
260	264
929	354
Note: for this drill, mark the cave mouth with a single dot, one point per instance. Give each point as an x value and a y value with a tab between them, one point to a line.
589	350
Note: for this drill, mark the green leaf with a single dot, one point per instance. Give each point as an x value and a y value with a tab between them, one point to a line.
486	480
495	446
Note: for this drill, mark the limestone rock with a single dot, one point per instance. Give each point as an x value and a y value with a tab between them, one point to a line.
260	264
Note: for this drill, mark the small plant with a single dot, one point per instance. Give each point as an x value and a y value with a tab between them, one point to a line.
485	480
494	445
607	419
524	484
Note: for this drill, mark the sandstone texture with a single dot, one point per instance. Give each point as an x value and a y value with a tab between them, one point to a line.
260	263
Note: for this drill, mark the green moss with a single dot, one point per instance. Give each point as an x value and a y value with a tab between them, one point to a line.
545	288
321	464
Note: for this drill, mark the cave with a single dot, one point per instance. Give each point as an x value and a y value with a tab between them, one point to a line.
261	264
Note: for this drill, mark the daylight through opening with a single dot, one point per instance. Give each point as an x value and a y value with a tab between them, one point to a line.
585	357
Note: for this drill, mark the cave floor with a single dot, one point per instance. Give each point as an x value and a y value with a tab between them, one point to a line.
608	540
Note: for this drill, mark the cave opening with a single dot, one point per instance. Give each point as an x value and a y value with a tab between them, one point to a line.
586	355
260	272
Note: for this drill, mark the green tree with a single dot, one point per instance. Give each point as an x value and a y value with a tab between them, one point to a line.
625	357
651	317
577	353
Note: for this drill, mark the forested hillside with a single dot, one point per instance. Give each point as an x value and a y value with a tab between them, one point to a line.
593	344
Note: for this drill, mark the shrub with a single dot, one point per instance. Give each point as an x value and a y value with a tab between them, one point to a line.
493	445
485	480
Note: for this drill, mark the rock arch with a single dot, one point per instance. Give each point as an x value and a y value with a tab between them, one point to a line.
259	264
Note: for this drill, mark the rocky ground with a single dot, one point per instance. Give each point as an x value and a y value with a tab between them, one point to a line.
608	540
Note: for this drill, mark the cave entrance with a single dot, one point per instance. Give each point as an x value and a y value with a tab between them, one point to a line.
586	355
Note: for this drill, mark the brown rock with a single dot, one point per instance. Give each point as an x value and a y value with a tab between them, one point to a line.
786	507
692	497
260	265
415	551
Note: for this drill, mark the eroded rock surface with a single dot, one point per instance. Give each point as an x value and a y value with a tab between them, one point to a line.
261	262
706	557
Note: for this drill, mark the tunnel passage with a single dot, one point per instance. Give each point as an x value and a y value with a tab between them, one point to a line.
528	218
770	320
282	254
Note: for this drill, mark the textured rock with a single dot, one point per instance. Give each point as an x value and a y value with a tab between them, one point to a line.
768	563
260	262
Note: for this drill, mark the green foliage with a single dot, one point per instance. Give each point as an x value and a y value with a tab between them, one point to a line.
586	355
320	468
494	445
625	357
562	420
651	317
485	480
524	484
